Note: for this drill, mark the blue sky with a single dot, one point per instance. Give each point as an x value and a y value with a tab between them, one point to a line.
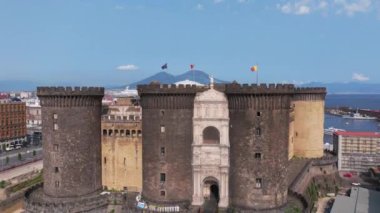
99	42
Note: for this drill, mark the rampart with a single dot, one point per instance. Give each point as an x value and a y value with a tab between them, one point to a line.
70	91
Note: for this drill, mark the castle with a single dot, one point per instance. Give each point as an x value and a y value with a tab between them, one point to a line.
72	152
227	141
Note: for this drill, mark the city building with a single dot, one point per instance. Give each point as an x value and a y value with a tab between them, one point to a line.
122	145
360	200
12	125
71	123
357	151
227	142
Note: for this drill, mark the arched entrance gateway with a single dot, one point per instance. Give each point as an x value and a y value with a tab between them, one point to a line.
211	190
210	149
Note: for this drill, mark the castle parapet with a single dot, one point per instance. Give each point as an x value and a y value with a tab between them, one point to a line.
70	91
235	88
156	88
309	93
70	97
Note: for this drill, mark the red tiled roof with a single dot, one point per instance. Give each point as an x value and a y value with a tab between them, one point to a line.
358	134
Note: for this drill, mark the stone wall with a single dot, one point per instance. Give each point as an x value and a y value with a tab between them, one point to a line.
72	148
308	128
167	124
122	155
261	127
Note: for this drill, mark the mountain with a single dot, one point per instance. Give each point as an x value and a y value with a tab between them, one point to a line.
162	77
347	88
167	78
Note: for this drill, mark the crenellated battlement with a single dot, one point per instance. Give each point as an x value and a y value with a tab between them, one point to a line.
70	97
156	88
309	93
259	88
310	90
70	91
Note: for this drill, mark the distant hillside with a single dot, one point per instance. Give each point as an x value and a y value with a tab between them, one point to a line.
167	78
347	88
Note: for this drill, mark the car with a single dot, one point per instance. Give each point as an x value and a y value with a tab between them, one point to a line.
9	148
356	184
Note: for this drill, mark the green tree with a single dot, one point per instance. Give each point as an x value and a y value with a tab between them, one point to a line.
2	184
19	156
34	152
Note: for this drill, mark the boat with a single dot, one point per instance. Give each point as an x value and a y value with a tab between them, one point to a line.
331	130
358	116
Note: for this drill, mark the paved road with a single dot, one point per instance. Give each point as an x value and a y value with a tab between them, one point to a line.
11	173
13	159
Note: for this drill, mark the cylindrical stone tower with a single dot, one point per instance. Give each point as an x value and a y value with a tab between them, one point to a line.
309	110
167	112
72	148
259	134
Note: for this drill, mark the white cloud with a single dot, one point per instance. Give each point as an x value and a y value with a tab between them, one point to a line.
199	7
302	7
119	7
350	7
218	1
323	5
297	7
359	77
127	67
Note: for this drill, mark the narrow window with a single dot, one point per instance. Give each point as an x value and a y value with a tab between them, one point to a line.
105	160
162	128
128	133
56	184
162	177
56	147
258	155
104	132
56	170
162	112
162	151
125	161
162	193
258	131
133	133
55	126
258	182
55	116
116	132
139	134
258	114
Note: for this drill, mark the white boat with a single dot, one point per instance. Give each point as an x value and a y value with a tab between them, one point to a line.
358	116
331	130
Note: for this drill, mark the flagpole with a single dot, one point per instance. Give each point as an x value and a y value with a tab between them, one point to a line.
257	77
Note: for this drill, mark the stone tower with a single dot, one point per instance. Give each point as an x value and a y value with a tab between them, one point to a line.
308	125
167	113
259	132
71	119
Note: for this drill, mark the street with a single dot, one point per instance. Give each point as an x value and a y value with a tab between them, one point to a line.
11	158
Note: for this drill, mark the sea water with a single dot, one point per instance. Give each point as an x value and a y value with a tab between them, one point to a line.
352	101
